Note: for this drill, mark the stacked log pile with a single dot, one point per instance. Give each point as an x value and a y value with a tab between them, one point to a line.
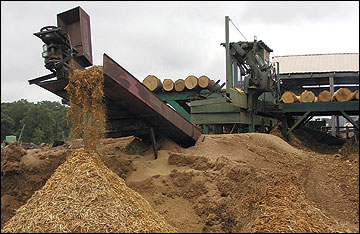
341	95
191	82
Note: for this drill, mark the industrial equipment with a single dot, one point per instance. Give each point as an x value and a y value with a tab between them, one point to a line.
71	38
131	108
252	91
249	103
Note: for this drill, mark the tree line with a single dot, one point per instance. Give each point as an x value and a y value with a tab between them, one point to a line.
44	121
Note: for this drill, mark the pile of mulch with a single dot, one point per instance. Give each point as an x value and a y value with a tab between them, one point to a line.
10	159
310	139
281	206
351	146
83	195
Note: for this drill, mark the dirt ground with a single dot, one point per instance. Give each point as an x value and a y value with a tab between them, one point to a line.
249	182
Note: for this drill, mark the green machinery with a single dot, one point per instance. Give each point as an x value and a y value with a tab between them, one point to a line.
250	101
252	91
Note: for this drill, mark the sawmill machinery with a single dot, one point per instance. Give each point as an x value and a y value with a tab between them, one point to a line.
252	92
66	46
251	82
249	103
131	109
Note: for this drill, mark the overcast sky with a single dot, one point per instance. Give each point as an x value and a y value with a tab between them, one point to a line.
171	39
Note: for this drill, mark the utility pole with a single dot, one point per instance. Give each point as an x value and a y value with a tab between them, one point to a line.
21	132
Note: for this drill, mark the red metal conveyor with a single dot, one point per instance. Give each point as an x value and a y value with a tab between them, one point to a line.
132	109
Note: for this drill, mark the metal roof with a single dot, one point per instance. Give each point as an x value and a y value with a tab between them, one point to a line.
337	62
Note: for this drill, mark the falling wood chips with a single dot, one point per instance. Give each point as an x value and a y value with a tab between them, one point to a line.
87	111
83	195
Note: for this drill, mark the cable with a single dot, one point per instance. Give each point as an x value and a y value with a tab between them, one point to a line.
237	29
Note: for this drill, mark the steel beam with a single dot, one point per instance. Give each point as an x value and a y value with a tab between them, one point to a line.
119	84
349	119
299	121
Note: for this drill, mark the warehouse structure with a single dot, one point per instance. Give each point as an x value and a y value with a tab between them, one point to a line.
318	72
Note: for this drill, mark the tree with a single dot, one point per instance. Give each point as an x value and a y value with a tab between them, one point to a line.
45	121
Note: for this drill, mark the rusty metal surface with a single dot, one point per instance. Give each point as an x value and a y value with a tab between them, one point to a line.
76	22
132	95
55	86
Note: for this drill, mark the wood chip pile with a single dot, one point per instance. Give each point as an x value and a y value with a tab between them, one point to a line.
10	158
83	195
282	208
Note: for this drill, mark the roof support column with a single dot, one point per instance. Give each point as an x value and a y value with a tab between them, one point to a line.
333	129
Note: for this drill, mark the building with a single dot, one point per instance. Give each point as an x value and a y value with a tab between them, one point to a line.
318	72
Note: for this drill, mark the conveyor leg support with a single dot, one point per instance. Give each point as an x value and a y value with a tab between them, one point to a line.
349	119
153	142
299	121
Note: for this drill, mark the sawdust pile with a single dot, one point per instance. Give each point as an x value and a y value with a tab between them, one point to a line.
83	195
87	112
310	139
247	183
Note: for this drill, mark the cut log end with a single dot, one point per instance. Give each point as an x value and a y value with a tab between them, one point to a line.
204	81
307	96
342	95
191	82
179	85
152	83
325	96
289	97
168	85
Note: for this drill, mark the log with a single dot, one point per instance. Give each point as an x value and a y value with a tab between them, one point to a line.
191	82
342	95
355	95
206	83
180	85
168	85
289	97
307	96
152	83
325	96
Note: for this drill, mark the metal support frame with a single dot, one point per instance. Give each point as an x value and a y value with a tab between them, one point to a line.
153	142
179	109
233	128
229	77
346	116
299	121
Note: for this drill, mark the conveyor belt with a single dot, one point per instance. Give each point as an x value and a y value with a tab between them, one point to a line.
138	104
132	109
